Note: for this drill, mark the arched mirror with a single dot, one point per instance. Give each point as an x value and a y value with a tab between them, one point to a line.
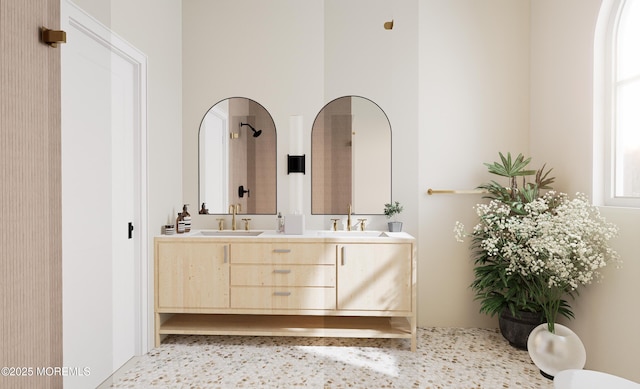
237	158
350	158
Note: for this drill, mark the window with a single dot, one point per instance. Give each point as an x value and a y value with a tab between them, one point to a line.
622	181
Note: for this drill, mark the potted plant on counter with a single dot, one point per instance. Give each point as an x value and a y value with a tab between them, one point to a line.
533	249
390	211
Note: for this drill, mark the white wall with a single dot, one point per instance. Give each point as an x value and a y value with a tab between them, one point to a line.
362	58
474	102
293	58
273	55
160	38
562	122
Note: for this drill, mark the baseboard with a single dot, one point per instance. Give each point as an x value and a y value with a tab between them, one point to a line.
106	384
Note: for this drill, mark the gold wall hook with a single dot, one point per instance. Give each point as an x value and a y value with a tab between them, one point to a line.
388	25
52	37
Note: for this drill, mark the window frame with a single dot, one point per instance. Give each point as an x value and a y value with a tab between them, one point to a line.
611	152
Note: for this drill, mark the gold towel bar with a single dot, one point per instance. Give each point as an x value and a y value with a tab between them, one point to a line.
470	191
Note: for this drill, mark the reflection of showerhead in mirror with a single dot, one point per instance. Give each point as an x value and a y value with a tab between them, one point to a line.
255	133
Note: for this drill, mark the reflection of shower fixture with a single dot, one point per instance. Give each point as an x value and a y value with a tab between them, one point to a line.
255	133
242	191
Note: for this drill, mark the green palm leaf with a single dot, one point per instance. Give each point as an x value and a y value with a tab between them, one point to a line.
542	179
510	168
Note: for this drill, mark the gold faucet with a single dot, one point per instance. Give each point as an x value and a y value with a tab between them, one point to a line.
349	218
233	210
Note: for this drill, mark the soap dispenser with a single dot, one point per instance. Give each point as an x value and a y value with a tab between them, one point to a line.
179	224
186	217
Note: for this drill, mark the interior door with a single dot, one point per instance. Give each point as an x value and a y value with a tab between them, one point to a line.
101	264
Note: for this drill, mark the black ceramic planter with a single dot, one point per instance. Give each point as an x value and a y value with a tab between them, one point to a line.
517	329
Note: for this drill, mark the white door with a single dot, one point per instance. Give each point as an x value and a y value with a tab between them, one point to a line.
102	112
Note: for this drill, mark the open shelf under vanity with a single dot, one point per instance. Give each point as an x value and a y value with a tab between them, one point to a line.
287	325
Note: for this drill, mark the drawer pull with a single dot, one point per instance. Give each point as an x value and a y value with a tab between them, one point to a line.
226	253
344	255
281	250
282	293
282	271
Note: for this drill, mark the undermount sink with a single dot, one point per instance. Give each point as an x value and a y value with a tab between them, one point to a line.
230	233
353	234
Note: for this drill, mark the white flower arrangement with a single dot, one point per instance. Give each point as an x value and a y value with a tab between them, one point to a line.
531	249
564	238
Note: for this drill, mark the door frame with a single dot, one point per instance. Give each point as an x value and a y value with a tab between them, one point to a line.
103	35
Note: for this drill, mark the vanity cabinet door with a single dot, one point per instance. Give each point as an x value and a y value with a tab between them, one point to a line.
192	275
374	277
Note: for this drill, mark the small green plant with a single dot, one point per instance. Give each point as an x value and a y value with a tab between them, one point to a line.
392	209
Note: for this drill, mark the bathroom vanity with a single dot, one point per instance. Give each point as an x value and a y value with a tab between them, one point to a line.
359	284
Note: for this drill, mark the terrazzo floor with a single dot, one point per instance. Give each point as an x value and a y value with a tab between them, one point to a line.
446	358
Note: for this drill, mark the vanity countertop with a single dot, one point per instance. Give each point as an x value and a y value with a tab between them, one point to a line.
308	236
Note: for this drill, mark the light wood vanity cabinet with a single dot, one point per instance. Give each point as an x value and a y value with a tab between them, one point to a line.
282	286
192	275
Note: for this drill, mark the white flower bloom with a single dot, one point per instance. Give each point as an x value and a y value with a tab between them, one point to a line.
564	238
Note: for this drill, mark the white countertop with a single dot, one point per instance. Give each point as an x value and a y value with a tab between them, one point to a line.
322	235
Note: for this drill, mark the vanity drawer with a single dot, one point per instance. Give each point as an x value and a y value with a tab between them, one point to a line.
257	297
283	275
283	253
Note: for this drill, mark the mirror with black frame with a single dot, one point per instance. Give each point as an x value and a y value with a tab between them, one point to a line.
350	158
237	158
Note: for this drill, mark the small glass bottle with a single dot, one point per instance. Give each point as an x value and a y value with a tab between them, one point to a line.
280	226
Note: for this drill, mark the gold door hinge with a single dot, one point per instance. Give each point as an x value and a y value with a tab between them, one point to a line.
52	37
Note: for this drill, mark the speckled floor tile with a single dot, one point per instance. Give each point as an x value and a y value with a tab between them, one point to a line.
446	358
